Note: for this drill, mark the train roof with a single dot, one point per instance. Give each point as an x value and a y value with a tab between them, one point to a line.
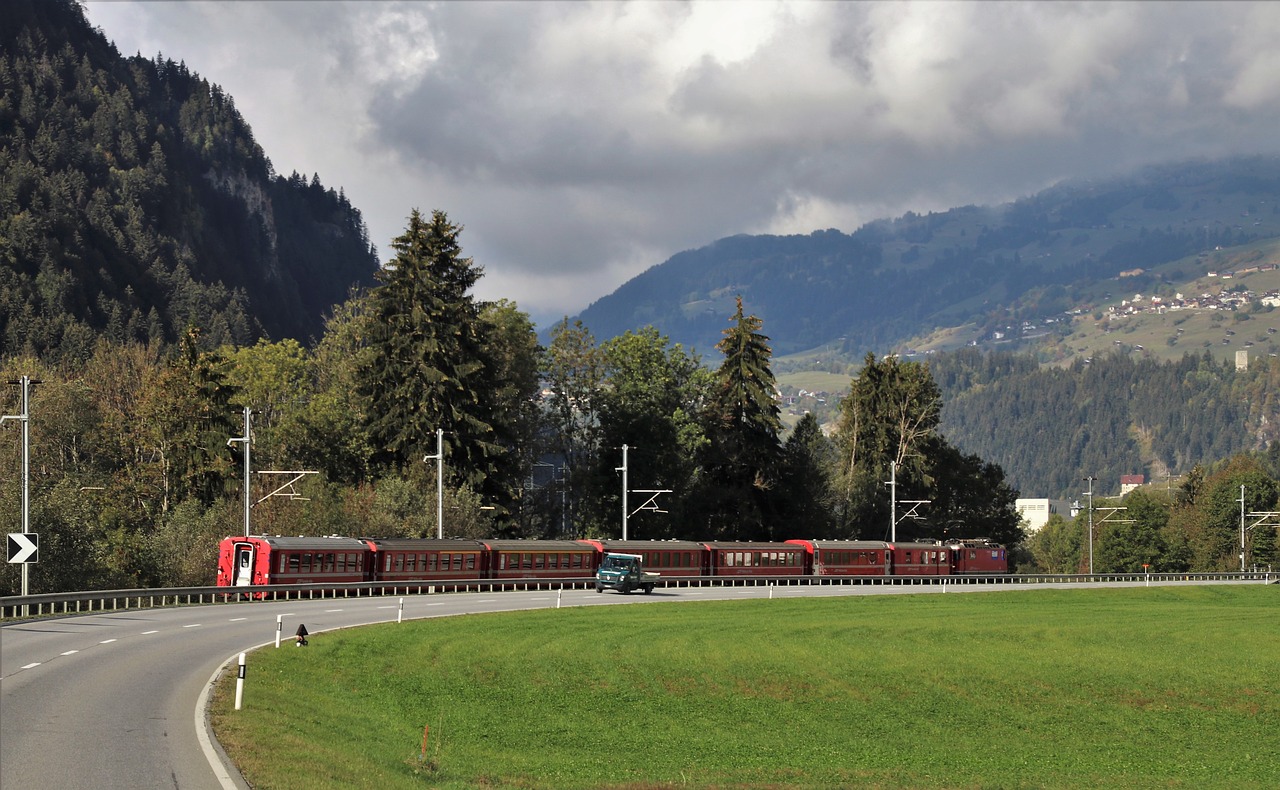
425	544
735	545
645	545
537	545
842	544
304	543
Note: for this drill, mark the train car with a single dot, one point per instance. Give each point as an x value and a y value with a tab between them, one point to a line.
920	559
401	560
978	556
672	559
528	559
755	559
289	560
847	557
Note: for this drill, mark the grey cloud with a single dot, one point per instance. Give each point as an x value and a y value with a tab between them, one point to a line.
583	142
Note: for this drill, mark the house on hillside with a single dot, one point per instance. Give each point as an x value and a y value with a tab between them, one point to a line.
1130	482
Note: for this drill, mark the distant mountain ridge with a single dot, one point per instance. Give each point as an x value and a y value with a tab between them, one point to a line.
135	203
894	280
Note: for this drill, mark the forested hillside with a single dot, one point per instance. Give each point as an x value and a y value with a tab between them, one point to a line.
1047	427
134	203
894	280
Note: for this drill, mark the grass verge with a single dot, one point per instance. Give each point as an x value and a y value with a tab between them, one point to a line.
1152	687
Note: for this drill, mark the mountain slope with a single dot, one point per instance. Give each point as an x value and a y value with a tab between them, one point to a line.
134	202
894	280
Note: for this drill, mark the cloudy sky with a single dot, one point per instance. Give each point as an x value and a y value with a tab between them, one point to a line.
580	143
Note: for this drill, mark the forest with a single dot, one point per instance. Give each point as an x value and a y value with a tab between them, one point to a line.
1116	415
134	202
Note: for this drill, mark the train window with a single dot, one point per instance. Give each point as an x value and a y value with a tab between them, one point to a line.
411	563
399	561
973	555
431	562
388	563
538	560
329	562
907	558
471	562
526	561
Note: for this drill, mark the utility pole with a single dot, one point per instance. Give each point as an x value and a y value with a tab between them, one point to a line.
623	469
1242	528
246	440
24	417
1089	494
893	501
439	459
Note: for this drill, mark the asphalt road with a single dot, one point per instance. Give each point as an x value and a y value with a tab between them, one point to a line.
109	701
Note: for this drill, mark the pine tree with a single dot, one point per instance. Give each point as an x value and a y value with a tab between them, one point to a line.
744	449
427	367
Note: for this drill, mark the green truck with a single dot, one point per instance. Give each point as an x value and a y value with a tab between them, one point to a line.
624	573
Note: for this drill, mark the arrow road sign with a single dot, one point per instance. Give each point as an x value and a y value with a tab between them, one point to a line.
24	547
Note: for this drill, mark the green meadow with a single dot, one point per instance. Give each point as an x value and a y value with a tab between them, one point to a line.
1164	687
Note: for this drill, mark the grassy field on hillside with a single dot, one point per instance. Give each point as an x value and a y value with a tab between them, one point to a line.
1148	687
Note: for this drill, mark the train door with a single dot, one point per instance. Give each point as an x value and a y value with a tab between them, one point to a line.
243	565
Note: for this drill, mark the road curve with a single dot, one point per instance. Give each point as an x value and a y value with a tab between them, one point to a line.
116	699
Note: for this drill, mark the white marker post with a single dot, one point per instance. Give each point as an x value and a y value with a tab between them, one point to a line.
240	683
279	625
400	611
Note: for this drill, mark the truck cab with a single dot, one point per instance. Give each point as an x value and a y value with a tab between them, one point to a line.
624	573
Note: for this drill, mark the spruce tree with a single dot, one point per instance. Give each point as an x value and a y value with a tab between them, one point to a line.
744	449
427	368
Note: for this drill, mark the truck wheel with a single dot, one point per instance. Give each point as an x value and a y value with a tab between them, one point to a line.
648	588
599	587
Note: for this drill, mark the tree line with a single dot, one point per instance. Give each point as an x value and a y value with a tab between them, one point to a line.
1198	526
134	480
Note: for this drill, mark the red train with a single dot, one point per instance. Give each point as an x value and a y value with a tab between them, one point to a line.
403	561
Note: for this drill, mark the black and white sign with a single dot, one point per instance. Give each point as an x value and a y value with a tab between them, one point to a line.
24	547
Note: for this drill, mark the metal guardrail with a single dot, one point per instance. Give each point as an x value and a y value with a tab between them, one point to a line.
63	603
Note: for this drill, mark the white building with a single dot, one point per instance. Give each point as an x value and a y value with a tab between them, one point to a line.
1035	512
